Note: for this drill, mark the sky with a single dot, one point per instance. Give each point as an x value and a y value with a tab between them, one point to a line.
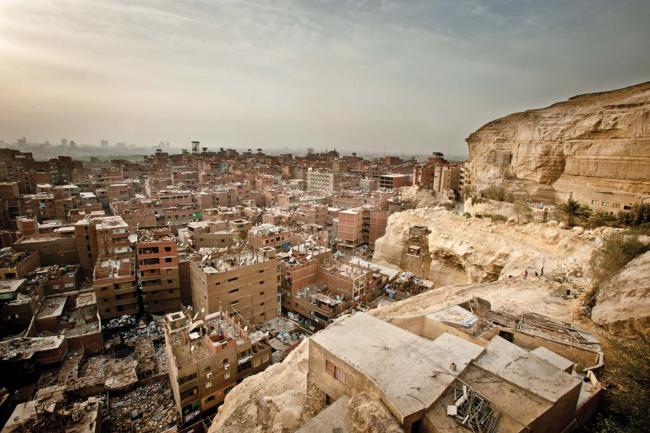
409	76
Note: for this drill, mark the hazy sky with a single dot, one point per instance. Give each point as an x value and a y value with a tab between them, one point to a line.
410	75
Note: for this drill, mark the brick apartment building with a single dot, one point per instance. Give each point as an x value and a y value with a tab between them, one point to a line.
158	276
115	287
207	358
245	282
99	237
350	228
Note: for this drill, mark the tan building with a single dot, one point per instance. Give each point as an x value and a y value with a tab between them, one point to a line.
321	181
158	276
115	287
245	282
206	359
462	368
119	192
210	234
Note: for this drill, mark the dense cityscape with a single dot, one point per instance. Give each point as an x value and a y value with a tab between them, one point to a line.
331	216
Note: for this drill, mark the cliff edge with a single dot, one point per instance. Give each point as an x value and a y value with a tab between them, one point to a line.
595	146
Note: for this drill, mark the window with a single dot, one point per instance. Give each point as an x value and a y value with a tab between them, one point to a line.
233	279
329	367
233	291
261	282
339	375
261	293
233	303
168	259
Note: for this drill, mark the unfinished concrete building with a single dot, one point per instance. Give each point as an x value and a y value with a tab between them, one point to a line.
241	281
462	368
316	289
208	357
60	279
115	286
158	276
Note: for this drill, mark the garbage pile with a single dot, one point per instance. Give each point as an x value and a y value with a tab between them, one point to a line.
120	322
283	335
148	408
407	285
129	332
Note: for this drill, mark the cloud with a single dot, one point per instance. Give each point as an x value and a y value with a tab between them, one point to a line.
359	75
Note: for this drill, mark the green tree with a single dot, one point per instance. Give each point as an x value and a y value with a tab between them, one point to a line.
573	211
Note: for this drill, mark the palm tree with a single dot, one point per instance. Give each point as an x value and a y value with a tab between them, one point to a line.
573	210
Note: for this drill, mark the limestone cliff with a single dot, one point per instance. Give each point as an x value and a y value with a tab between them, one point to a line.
471	250
596	146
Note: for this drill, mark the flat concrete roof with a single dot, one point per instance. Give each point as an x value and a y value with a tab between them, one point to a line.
454	314
389	271
554	359
411	371
526	370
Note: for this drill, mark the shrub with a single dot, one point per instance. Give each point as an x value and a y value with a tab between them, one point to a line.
523	211
600	219
493	192
495	217
617	251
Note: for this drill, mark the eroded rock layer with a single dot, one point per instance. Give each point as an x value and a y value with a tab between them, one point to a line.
594	146
471	250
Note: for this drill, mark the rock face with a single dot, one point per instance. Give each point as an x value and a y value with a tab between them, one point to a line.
274	400
623	303
471	250
596	146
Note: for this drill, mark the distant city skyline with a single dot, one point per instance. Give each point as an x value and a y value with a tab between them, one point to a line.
406	76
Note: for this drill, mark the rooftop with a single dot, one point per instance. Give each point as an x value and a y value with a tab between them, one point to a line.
526	370
380	351
266	229
230	261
